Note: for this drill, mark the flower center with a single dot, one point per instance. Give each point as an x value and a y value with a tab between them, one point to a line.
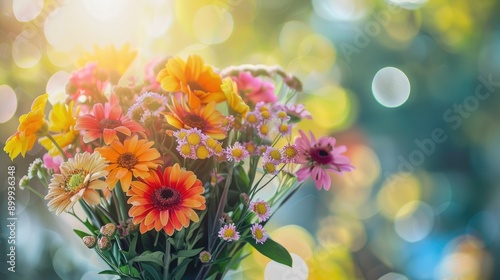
228	233
258	234
165	198
74	182
194	121
260	208
107	123
321	155
127	160
193	85
151	103
137	114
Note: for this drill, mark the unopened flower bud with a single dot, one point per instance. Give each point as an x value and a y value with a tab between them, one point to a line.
89	241
246	198
205	257
104	243
108	229
24	182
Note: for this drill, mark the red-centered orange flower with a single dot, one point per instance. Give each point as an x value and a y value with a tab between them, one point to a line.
166	200
106	120
194	78
31	126
206	118
133	157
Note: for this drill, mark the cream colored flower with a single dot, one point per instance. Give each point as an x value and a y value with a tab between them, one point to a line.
79	178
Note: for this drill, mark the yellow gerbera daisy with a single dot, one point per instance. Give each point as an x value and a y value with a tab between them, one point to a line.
133	157
31	125
61	122
194	78
234	100
79	178
110	58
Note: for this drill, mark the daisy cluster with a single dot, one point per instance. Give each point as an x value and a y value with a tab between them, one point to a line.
183	153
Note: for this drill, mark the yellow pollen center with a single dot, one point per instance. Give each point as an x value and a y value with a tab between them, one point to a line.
269	167
185	149
127	160
275	154
252	119
237	153
282	115
260	208
193	139
290	152
202	152
258	234
283	128
264	129
211	143
265	114
250	148
75	181
229	233
182	135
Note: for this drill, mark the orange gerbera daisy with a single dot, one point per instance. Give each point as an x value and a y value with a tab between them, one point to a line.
193	77
133	157
31	126
166	200
206	118
79	178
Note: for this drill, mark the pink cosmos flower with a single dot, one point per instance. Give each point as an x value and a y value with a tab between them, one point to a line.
106	120
318	157
229	233
255	89
259	233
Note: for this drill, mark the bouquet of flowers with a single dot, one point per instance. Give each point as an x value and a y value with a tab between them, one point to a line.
166	174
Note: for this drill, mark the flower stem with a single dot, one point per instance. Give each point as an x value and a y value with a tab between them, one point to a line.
57	146
222	203
166	261
36	192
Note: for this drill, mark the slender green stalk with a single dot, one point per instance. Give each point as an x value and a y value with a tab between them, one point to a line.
57	147
35	192
166	261
222	203
107	214
120	196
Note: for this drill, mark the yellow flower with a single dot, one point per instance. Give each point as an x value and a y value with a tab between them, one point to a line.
31	125
110	58
194	78
62	122
234	100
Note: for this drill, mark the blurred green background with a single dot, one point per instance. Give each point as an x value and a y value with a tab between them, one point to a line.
424	201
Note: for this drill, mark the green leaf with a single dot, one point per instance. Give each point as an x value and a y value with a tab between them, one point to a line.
212	277
154	257
126	269
81	234
189	253
272	250
179	271
150	272
110	272
131	251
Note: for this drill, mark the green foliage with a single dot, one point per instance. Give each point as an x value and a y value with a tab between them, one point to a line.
272	250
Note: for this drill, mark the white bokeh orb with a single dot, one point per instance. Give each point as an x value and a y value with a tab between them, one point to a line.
391	87
277	271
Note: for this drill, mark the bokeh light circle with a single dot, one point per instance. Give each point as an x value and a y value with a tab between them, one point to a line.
418	224
391	87
212	24
298	271
24	52
340	10
26	10
56	87
8	106
393	276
